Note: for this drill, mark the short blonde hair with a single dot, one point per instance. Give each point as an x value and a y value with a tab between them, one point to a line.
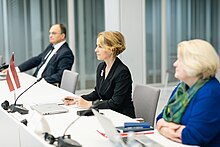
199	58
113	41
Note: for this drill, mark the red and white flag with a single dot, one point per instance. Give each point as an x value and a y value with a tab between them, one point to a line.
12	76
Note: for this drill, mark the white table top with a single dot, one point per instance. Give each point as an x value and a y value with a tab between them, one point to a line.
84	130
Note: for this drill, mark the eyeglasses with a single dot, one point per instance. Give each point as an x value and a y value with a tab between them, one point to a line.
54	33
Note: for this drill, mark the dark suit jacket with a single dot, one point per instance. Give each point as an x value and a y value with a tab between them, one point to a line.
114	91
61	60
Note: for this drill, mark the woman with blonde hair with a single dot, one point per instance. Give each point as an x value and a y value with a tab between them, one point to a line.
113	78
191	115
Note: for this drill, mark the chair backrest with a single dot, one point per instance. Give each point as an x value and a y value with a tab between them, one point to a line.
145	99
69	80
218	75
1	60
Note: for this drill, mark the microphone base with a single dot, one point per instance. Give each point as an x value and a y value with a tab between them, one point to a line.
18	108
87	112
67	142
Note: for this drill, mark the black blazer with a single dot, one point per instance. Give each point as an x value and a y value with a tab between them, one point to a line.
114	91
61	60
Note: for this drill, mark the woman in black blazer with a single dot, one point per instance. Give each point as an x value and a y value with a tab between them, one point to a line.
113	78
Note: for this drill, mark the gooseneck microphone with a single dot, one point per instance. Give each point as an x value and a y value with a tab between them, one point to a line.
38	80
18	107
65	140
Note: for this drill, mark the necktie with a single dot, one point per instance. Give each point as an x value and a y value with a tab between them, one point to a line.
42	63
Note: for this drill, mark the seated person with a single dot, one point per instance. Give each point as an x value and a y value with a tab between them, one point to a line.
113	78
54	59
191	115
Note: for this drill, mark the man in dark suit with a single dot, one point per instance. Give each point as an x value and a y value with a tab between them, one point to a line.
54	59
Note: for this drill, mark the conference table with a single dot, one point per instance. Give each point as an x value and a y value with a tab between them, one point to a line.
84	130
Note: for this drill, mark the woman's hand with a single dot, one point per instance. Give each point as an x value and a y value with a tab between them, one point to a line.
170	130
83	103
162	123
78	100
69	100
171	134
180	129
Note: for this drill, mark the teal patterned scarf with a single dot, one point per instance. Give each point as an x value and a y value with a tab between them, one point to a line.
177	104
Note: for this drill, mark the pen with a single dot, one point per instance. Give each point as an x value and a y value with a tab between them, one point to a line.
103	134
126	134
68	99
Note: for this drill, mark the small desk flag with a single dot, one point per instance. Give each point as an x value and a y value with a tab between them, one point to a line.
12	76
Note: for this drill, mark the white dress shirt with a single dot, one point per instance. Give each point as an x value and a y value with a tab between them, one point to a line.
56	48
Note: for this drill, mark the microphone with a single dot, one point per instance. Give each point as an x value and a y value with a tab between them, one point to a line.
65	140
18	107
68	142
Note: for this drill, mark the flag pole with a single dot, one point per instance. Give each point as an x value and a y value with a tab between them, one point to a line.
14	94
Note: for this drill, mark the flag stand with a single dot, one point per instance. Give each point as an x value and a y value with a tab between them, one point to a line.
13	84
17	107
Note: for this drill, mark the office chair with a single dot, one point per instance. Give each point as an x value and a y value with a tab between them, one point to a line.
145	99
217	75
1	60
69	81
